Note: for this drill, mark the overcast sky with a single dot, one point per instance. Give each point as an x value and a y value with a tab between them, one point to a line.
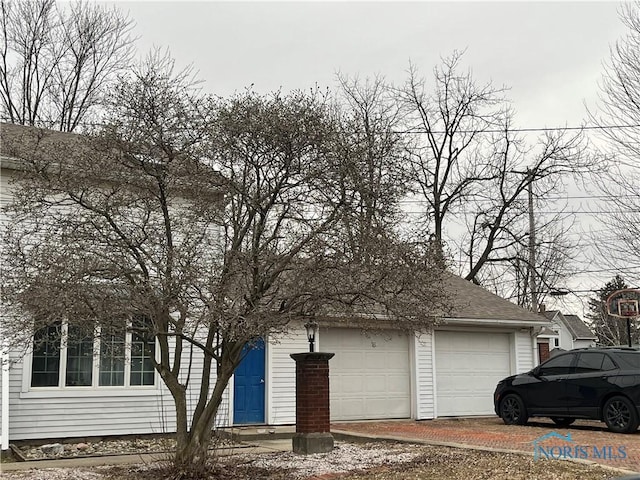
550	54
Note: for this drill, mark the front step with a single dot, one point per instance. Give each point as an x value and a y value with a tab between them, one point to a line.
247	433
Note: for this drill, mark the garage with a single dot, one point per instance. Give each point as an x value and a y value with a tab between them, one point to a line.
370	374
468	366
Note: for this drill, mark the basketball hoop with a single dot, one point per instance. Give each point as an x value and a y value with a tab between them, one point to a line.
624	304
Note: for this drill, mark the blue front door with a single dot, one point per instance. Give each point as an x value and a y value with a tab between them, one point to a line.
248	393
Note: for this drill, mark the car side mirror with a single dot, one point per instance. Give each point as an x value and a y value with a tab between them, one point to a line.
536	372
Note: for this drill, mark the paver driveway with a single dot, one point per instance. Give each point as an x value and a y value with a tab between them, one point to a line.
493	433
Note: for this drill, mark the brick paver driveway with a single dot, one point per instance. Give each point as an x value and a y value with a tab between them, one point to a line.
589	440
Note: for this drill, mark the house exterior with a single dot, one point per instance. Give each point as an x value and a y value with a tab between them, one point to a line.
451	370
568	331
377	373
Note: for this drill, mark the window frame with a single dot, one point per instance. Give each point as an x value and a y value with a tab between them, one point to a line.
95	389
571	367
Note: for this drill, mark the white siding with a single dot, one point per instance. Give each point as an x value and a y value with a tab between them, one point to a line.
566	339
65	412
281	375
1	426
423	347
524	351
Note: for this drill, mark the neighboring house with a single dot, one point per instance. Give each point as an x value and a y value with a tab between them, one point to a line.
567	332
451	370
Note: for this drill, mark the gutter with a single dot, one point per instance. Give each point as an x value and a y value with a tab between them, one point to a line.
493	321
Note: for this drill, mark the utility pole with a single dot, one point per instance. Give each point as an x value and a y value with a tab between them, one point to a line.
532	247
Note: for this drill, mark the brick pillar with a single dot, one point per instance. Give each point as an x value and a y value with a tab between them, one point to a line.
312	403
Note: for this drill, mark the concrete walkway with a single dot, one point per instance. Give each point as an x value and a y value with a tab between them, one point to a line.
248	447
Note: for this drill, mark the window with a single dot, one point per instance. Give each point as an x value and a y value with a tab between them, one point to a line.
628	360
112	357
79	357
590	362
68	355
142	352
556	342
560	365
45	365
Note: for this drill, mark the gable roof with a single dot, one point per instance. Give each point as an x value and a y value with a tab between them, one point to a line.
471	301
550	314
579	330
576	326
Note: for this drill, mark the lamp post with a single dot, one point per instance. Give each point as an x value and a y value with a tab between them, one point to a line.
312	329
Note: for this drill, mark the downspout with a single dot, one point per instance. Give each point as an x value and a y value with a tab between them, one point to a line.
535	331
4	404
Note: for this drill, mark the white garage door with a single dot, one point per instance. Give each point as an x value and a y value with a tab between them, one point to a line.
369	377
468	367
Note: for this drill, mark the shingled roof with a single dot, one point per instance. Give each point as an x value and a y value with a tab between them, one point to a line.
576	326
471	301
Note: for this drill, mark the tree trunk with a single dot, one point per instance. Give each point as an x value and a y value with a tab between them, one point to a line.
192	449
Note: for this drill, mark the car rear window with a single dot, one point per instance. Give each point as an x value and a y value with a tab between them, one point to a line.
629	360
593	362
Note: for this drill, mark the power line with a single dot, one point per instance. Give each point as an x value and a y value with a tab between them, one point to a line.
551	212
522	130
568	197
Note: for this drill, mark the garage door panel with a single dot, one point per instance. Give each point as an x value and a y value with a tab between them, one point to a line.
347	383
468	367
369	375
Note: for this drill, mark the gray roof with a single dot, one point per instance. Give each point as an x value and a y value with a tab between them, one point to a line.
576	326
474	302
579	330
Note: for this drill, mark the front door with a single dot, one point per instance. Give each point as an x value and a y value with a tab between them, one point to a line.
248	393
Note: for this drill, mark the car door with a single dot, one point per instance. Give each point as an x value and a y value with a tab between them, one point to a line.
546	394
588	383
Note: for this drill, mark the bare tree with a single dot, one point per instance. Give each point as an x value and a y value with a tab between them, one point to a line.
219	221
619	116
378	179
471	167
611	331
58	62
448	125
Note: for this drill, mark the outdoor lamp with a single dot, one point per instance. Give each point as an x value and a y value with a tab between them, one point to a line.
312	328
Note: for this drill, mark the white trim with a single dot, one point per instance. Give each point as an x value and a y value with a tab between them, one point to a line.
4	405
434	375
83	392
490	321
414	376
232	388
268	394
513	353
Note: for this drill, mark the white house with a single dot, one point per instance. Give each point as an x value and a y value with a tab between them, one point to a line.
569	331
450	371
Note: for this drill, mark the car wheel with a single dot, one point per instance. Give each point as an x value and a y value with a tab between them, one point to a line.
620	415
512	410
563	421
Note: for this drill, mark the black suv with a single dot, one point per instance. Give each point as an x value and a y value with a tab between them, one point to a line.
593	383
